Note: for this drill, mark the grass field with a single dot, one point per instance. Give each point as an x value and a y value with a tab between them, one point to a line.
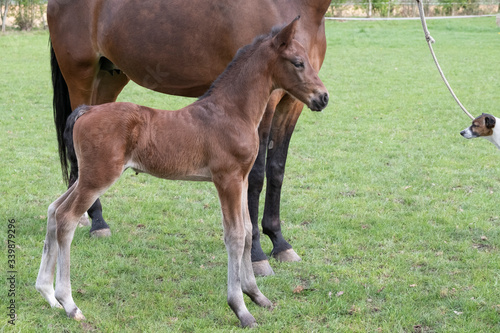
395	215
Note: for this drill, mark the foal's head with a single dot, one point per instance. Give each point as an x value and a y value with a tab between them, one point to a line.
293	71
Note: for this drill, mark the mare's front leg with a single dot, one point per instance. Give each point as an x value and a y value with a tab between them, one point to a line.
256	177
284	121
237	238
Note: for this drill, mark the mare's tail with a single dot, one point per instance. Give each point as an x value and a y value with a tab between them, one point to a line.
62	109
69	152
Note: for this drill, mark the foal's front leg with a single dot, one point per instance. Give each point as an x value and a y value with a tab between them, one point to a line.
248	282
238	244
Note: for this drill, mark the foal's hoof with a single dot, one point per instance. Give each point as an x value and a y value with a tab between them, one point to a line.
264	302
248	321
77	315
287	255
84	221
101	233
262	268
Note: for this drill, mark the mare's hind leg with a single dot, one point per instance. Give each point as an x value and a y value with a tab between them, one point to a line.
284	121
45	279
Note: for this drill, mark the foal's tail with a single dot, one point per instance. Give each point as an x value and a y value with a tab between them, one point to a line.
69	147
62	109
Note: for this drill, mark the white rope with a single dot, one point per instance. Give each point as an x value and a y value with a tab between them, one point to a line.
431	40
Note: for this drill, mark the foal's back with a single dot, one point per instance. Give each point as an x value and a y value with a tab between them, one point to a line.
165	144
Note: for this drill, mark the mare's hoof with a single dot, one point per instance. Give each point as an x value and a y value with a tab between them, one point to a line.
287	255
84	221
262	268
101	233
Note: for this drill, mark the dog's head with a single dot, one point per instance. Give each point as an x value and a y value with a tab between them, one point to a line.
481	126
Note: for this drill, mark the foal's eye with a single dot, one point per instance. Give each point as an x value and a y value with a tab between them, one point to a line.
298	64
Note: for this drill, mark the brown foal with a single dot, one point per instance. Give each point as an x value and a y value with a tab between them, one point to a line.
214	139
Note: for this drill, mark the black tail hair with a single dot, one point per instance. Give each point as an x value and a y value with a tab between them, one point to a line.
62	109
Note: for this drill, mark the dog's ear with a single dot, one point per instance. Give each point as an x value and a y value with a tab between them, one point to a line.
489	121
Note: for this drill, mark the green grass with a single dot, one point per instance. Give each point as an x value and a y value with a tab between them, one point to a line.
395	215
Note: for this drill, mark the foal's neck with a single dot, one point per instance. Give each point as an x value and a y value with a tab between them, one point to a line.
243	90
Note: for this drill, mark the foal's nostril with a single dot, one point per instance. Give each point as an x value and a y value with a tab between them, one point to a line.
319	102
325	99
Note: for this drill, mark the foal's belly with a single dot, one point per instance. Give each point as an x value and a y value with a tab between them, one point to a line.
200	174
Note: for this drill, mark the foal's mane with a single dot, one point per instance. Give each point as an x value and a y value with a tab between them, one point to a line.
242	55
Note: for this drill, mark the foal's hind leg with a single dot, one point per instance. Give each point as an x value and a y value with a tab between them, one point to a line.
99	227
73	176
45	279
107	87
85	192
67	215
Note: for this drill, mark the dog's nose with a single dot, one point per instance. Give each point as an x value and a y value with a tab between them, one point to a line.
462	133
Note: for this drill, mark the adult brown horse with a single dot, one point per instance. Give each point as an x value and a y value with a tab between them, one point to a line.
214	139
179	47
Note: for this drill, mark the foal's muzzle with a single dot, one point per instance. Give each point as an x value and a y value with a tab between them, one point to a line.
319	102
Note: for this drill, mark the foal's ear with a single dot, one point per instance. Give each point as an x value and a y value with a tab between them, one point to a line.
285	36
